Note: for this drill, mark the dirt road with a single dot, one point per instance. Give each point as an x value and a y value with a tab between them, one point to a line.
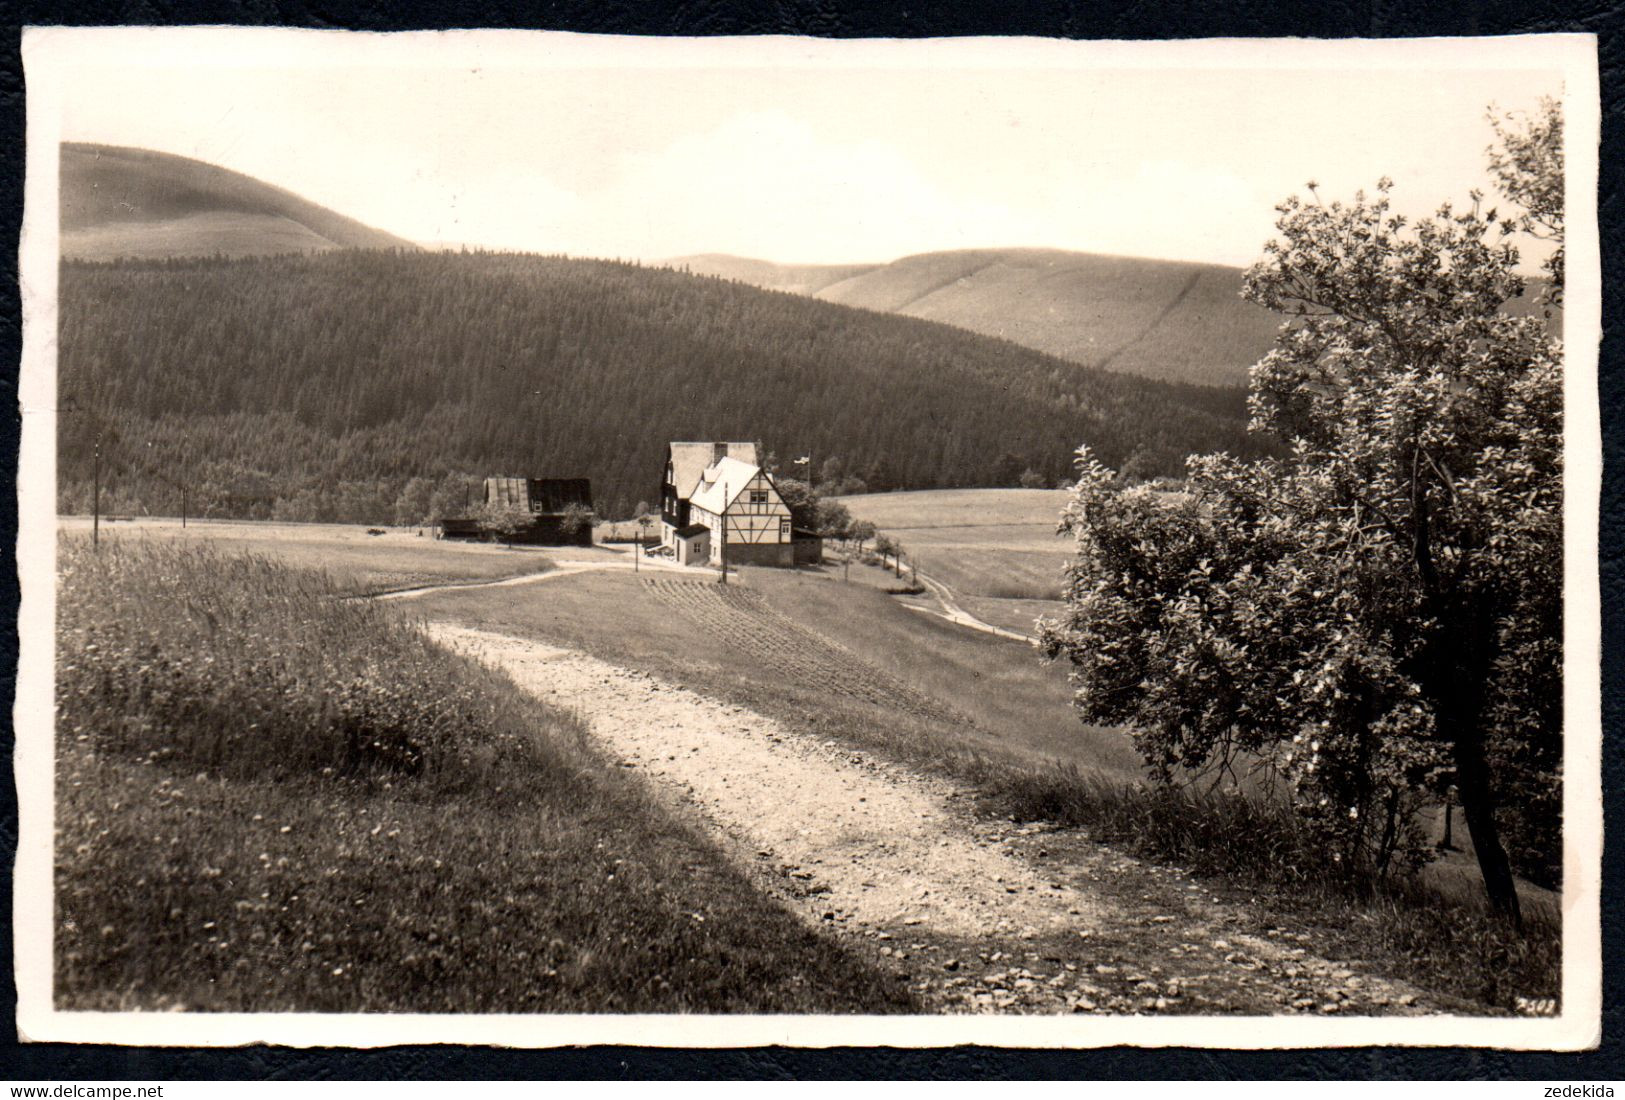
981	915
956	614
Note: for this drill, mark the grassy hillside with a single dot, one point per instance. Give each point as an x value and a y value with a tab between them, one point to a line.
269	799
996	548
951	508
1163	319
792	278
364	386
125	202
1155	318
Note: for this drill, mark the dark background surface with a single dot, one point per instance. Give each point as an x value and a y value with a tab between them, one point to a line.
1124	19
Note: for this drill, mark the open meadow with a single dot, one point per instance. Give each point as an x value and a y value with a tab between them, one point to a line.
997	549
814	651
359	563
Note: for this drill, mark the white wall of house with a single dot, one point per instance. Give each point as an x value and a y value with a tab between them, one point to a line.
694	550
755	514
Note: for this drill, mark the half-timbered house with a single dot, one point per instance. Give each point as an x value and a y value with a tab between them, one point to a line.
726	507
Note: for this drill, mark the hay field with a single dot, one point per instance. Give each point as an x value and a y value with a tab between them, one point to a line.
996	548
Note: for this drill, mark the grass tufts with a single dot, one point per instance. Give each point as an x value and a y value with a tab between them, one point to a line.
273	799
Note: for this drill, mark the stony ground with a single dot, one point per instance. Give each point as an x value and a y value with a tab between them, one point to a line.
982	915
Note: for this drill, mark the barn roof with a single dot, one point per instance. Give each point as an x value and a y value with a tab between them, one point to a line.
722	482
689	460
543	495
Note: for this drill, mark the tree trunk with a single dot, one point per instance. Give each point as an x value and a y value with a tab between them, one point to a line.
1477	809
1456	679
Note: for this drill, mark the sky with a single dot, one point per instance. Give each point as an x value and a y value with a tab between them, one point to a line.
808	162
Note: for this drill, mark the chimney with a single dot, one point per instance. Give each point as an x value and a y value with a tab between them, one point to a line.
719	451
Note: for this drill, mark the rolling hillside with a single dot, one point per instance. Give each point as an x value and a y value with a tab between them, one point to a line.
807	279
1172	321
369	385
1159	319
119	202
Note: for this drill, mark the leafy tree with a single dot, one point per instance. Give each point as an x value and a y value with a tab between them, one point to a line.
1376	617
576	519
1139	467
1032	479
890	550
415	503
1528	164
503	521
861	532
451	497
799	497
833	519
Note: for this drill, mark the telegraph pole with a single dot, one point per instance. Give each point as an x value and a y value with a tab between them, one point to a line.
96	493
723	523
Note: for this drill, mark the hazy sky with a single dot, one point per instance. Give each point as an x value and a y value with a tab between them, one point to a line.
808	162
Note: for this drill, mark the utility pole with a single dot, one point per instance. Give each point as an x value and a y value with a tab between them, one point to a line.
96	493
722	521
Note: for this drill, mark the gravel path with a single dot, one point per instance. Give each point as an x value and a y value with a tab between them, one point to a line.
982	915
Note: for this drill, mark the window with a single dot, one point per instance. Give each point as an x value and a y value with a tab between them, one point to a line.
784	529
758	496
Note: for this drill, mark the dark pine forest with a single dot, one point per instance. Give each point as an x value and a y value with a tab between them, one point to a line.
372	386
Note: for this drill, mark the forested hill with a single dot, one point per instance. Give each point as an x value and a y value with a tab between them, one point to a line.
117	201
338	385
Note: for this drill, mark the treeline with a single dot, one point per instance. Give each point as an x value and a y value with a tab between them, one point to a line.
369	386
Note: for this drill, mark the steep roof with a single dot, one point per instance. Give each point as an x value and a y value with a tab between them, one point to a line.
544	495
722	482
689	461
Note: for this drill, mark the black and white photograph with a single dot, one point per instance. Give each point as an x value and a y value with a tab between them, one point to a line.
542	539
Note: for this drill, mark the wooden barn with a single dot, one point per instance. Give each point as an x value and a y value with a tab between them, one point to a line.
554	504
717	500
